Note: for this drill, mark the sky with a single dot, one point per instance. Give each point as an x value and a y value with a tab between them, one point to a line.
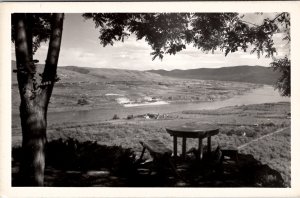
81	47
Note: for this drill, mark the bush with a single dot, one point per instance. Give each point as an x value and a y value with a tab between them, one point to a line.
82	101
129	117
116	117
268	124
71	154
230	132
251	134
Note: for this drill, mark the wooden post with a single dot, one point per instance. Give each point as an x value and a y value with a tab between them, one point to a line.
200	149
183	147
142	154
209	145
175	146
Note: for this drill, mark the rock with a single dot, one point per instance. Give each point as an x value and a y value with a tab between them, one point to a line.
98	173
267	177
181	184
257	174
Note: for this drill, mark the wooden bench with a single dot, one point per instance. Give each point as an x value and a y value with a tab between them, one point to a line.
160	153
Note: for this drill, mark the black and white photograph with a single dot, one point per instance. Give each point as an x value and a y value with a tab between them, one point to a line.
157	99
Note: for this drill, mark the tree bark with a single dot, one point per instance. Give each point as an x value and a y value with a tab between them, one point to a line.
34	100
50	70
34	123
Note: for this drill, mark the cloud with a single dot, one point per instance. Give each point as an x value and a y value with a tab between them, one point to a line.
249	56
41	53
76	56
132	43
211	61
123	55
118	57
86	55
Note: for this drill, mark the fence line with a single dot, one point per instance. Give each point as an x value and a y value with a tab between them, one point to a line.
262	137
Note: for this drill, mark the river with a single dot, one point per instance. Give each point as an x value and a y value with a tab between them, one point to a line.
265	94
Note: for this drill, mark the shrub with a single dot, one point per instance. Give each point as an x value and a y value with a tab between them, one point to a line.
71	154
230	132
268	124
82	101
251	134
129	117
116	117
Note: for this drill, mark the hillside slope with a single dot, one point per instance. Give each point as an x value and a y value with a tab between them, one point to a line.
251	74
74	74
104	88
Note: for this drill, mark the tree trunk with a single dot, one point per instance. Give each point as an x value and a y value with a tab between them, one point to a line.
34	100
49	74
34	123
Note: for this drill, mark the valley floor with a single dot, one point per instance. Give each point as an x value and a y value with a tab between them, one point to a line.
97	94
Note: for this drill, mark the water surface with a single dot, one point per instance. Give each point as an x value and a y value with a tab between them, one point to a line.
265	94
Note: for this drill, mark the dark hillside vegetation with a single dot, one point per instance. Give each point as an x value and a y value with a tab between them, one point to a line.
250	74
73	163
77	69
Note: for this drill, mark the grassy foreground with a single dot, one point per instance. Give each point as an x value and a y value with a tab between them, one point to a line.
249	127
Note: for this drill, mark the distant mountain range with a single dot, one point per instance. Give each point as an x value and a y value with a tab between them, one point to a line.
251	74
244	73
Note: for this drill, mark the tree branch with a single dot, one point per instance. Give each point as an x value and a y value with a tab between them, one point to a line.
25	66
250	23
49	74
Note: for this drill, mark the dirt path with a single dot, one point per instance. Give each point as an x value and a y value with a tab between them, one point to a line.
262	137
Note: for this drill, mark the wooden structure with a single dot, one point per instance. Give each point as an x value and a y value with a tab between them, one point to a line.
229	151
160	153
199	131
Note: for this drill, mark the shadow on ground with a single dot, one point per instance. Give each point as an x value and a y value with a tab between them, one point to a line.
81	164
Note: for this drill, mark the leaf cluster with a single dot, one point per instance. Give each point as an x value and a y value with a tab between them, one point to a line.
240	36
38	28
169	33
164	32
283	84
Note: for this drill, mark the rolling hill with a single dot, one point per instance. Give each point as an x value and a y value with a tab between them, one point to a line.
74	74
251	74
100	87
